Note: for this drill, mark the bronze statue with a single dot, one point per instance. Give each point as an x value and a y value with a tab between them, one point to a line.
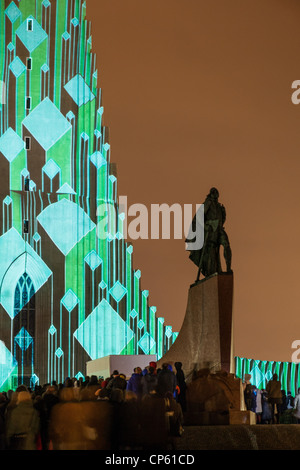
208	257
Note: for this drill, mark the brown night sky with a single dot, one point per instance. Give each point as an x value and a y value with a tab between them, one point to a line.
198	94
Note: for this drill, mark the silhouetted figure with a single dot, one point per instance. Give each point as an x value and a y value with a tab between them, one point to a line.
180	377
274	397
22	424
116	384
49	400
3	405
289	401
149	380
134	384
266	415
166	380
153	428
284	403
249	394
175	415
127	422
297	406
88	392
258	405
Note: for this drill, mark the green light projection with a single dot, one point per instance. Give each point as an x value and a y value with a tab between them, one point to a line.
83	297
262	371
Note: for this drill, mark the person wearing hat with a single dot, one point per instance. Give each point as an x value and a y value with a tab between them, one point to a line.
134	383
23	424
153	365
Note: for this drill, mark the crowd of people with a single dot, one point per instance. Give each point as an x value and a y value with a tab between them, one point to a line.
145	409
272	405
27	417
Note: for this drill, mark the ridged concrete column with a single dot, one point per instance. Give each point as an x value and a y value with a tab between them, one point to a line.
206	336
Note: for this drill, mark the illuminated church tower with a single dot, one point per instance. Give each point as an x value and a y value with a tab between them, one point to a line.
68	294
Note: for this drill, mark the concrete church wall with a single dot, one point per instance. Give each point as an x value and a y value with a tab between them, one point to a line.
67	295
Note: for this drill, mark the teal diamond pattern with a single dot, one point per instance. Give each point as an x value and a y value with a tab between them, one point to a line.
146	343
59	353
23	339
133	313
93	260
52	330
118	291
168	331
70	300
103	332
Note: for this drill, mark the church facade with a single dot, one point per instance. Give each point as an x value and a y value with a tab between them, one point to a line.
68	292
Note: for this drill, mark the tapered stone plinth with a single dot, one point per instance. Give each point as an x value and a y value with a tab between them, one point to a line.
205	339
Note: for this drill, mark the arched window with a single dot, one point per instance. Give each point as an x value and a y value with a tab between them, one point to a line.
24	319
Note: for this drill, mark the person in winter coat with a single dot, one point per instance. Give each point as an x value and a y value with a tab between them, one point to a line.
149	380
180	377
266	415
3	405
116	388
166	380
258	405
274	397
249	396
289	401
297	406
22	424
134	384
118	381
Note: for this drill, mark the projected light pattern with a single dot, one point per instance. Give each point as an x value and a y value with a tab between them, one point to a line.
262	371
67	295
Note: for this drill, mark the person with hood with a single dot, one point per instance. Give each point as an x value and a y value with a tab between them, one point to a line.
134	384
149	380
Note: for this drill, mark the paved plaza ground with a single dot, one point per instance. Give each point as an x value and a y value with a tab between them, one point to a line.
240	437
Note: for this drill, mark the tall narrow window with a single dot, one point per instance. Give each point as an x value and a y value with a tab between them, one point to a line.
26	226
29	63
27	181
27	143
28	102
29	25
24	321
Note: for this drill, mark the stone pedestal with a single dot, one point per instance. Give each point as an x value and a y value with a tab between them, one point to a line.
211	398
242	417
205	339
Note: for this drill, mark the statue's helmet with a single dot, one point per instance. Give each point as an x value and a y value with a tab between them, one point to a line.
214	193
